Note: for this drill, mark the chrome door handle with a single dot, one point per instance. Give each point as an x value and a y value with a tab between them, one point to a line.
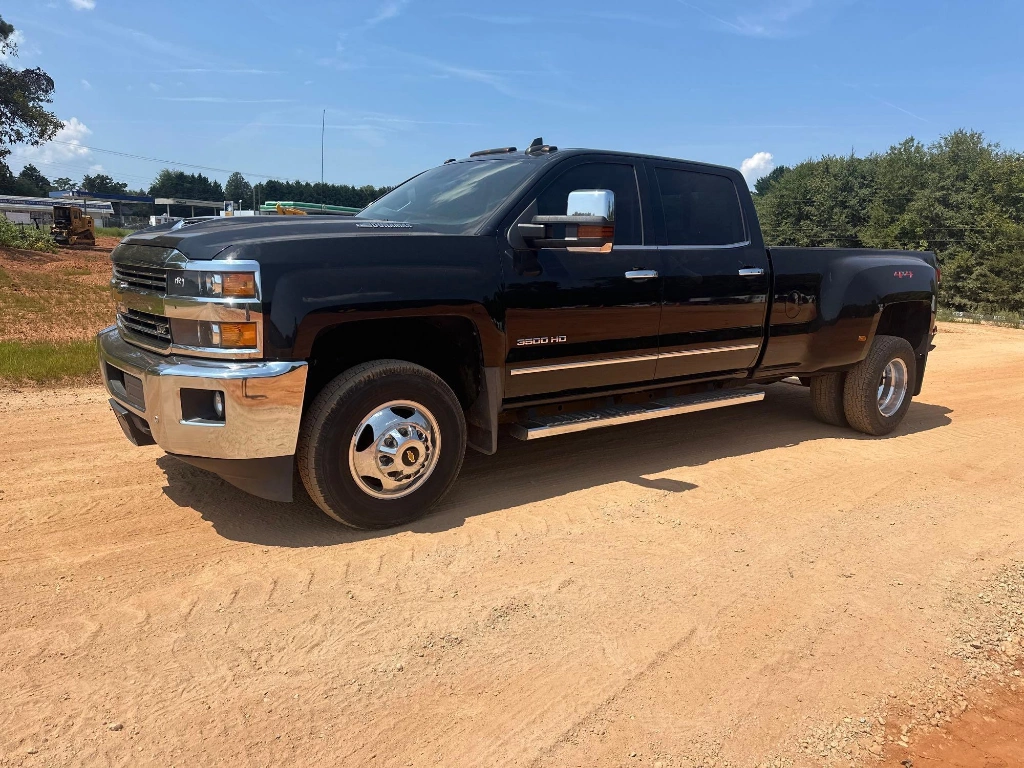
751	272
641	274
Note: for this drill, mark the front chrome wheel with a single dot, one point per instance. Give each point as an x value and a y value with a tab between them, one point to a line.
394	449
892	387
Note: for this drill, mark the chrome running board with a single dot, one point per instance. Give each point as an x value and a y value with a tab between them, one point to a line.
579	421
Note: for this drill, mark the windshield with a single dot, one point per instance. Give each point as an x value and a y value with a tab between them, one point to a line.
455	198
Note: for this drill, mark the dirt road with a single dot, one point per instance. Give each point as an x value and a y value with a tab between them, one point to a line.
728	588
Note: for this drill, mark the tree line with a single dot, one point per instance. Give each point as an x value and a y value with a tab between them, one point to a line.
193	186
961	197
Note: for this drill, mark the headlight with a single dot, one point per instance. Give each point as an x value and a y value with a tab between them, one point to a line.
213	335
213	285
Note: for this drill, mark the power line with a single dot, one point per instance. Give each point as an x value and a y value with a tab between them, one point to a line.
168	162
64	167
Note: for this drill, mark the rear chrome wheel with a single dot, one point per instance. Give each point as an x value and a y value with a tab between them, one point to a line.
892	387
877	394
394	449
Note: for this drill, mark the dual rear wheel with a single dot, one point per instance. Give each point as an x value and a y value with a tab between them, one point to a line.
874	396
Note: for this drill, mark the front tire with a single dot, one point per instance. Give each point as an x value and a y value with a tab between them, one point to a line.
381	444
878	390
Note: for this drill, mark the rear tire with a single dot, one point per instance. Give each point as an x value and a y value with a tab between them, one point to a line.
827	398
381	444
878	390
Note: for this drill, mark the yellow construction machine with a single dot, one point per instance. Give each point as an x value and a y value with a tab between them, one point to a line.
286	209
71	226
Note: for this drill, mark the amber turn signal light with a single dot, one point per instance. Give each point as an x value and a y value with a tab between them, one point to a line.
234	335
239	285
588	231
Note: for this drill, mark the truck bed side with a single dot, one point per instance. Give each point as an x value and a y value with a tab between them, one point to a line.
828	304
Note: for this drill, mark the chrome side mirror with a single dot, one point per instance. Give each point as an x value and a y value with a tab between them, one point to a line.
592	202
587	227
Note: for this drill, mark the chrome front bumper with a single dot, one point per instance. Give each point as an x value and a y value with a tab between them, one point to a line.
262	400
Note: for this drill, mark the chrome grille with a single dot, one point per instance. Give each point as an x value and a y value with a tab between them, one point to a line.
142	278
152	327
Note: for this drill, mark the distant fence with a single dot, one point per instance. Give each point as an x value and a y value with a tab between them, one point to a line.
1006	320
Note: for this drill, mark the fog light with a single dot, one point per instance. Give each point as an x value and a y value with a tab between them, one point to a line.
218	404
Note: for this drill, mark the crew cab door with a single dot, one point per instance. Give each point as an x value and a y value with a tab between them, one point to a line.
714	272
580	320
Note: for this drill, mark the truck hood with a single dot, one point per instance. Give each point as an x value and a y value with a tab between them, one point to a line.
235	237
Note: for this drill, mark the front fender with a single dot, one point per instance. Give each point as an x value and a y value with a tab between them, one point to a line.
312	286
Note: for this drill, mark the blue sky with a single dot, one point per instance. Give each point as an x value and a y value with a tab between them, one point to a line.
407	84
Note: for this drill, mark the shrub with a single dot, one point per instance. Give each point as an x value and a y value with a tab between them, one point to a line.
29	238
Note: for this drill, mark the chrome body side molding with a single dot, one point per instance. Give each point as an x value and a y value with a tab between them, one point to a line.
632	359
707	351
580	364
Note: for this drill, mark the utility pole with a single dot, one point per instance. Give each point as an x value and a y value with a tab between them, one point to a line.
323	128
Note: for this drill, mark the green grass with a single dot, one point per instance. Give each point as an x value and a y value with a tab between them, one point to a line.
46	363
113	232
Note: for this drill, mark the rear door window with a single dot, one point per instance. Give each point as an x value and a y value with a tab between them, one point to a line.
699	208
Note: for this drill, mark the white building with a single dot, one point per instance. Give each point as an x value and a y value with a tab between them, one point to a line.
38	211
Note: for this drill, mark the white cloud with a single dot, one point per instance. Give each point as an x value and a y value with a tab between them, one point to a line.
388	10
83	5
224	100
67	145
753	168
506	21
86	84
222	71
97	168
766	18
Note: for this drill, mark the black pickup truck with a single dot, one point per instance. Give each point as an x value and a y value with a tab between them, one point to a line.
542	292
